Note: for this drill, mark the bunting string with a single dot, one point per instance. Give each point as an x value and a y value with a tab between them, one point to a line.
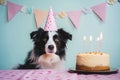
40	15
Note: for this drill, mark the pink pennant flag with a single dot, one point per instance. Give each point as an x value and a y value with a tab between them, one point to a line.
12	9
50	22
39	16
75	17
100	10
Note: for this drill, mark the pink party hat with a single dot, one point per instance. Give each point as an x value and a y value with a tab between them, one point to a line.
50	22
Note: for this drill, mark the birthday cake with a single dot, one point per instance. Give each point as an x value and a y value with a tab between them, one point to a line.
93	61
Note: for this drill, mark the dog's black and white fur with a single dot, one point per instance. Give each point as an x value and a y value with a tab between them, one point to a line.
48	51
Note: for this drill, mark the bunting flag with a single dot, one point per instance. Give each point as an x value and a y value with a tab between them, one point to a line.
12	9
100	11
40	16
75	17
62	15
87	10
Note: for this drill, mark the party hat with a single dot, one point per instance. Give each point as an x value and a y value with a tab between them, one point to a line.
50	22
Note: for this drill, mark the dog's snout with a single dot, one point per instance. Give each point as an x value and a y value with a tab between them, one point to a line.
51	47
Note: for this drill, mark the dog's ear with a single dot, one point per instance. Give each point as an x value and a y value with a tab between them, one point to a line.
35	34
65	35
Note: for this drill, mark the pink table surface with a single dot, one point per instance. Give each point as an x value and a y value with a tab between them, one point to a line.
47	74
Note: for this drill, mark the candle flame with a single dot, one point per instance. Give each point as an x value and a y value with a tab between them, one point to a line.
98	38
101	36
84	38
90	38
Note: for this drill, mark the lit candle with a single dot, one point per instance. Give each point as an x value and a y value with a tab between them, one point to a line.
98	43
101	37
90	38
84	38
90	43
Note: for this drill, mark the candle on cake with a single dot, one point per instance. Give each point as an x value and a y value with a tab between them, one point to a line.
84	38
98	43
91	43
101	37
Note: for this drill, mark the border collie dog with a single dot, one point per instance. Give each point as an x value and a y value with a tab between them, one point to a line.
48	51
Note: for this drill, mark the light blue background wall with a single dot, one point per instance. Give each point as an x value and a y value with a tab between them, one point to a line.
15	41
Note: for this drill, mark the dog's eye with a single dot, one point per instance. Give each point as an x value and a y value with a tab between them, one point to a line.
44	39
56	39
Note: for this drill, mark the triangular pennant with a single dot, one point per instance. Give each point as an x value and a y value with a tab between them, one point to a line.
100	10
40	16
75	17
12	9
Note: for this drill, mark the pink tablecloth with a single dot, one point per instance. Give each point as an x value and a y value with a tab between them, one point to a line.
53	75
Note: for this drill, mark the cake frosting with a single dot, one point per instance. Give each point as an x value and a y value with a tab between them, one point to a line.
93	61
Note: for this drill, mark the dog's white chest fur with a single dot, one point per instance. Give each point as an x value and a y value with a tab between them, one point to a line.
50	61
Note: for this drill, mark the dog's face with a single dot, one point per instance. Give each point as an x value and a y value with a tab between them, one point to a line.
50	41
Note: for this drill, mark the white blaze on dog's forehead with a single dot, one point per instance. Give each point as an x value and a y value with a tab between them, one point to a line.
51	41
51	33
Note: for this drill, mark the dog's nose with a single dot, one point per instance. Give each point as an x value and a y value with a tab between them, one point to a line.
51	47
